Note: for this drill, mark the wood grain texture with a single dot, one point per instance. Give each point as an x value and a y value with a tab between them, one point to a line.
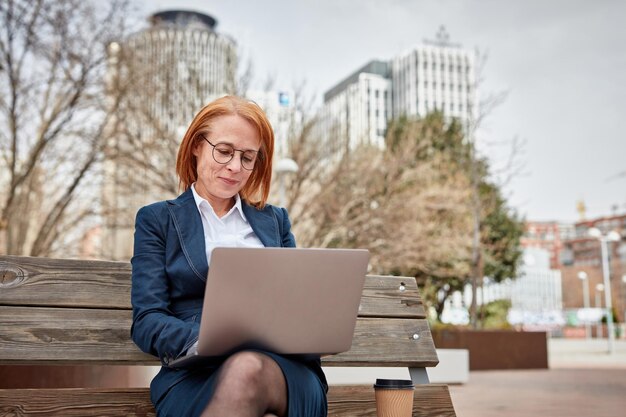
343	401
388	342
359	401
75	336
64	282
76	402
44	282
386	296
68	336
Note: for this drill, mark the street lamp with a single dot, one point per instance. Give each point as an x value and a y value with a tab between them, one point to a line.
599	289
624	292
282	167
582	275
612	236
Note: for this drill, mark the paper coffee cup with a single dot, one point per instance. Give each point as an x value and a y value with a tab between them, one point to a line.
394	397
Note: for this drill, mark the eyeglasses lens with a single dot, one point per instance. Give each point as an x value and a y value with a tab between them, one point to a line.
224	153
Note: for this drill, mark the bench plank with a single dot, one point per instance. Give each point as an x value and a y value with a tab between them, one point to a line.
73	336
65	282
386	296
343	401
105	284
388	342
76	402
40	335
428	400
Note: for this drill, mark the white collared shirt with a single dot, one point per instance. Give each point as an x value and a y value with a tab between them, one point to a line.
232	230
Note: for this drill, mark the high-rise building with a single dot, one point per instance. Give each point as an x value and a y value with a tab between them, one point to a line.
161	77
437	75
176	65
357	109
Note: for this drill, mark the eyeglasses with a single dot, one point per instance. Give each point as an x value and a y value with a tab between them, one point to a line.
223	153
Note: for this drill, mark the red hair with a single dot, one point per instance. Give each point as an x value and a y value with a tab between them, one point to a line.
257	188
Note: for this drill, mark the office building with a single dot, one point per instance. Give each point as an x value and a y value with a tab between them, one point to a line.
434	76
357	109
437	75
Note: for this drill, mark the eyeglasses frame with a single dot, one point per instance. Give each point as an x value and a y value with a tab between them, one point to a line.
258	153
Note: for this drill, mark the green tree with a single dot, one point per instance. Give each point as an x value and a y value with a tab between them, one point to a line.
411	203
494	314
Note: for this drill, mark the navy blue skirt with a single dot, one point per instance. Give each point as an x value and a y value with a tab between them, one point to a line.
306	395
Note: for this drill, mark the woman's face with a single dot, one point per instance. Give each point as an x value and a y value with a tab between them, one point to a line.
219	183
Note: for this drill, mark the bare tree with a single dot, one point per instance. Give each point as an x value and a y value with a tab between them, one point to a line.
53	115
482	204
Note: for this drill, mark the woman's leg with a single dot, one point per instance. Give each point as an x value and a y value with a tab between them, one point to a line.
249	384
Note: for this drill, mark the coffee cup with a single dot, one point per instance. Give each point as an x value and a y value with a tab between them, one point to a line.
394	397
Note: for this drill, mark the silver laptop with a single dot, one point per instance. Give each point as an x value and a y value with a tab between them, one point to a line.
285	300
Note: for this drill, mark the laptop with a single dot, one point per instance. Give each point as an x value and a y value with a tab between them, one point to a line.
285	300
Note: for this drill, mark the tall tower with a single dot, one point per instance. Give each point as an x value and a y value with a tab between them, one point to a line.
437	75
177	65
161	77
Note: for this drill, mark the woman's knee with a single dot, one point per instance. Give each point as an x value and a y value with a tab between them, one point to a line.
248	369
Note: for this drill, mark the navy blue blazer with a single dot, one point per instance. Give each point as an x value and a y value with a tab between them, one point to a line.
169	270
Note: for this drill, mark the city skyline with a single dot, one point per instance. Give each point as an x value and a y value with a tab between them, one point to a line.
559	62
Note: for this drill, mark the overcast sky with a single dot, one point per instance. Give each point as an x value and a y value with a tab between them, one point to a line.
562	62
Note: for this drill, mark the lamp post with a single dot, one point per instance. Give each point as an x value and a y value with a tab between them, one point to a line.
624	303
282	167
612	236
599	289
582	275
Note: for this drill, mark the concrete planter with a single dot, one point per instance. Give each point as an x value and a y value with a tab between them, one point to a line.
497	349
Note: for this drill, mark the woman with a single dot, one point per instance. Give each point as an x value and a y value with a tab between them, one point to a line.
224	165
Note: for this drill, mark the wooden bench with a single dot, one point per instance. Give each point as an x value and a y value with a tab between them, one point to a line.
75	312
